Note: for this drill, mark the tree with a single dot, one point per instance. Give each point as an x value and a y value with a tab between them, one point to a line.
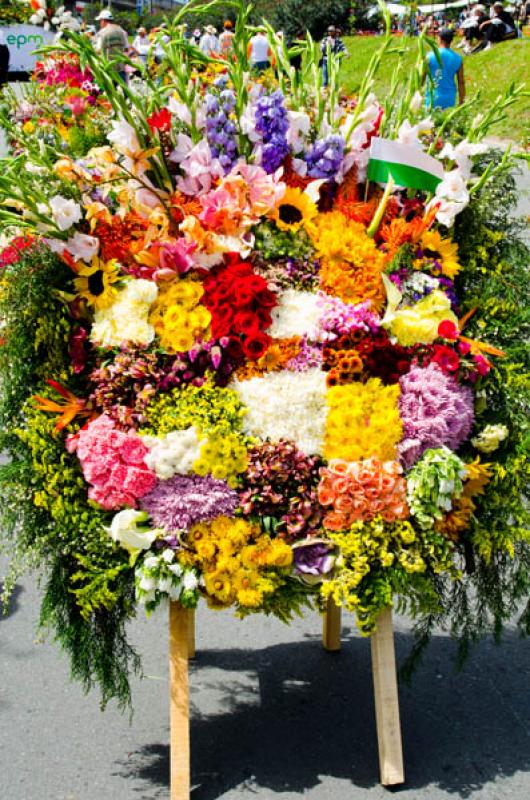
297	16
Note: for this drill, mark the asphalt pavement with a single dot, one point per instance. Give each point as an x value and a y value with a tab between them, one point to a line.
273	715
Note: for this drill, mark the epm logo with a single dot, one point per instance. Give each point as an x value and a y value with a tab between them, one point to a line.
21	39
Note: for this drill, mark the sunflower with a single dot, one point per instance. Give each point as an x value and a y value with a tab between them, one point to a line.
444	251
294	210
96	282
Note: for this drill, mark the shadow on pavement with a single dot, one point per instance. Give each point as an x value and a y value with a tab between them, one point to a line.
314	716
12	607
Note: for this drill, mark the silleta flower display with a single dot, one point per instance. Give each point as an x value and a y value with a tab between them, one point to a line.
250	376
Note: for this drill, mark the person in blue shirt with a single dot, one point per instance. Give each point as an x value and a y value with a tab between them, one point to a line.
441	93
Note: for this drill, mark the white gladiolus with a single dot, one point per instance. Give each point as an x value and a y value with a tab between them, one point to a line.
123	137
65	213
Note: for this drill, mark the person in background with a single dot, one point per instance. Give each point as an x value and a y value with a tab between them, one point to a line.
111	40
499	27
4	59
441	92
141	45
196	37
209	43
471	27
333	45
259	51
226	39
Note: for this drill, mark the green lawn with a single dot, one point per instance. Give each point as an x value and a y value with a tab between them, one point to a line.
491	72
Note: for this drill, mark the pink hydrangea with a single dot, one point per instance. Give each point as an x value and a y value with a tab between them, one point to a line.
113	463
436	410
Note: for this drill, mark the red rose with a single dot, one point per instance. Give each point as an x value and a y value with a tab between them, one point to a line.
256	346
246	323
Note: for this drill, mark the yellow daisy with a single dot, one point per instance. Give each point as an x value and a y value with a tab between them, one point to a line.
294	210
96	282
444	251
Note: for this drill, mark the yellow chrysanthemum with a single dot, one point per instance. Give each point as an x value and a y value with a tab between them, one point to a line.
178	318
294	210
351	265
444	251
418	324
363	421
95	283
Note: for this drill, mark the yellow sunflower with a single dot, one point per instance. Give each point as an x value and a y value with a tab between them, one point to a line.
96	282
444	251
294	210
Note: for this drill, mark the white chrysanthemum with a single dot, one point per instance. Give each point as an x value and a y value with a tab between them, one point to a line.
286	405
490	438
126	320
172	454
297	314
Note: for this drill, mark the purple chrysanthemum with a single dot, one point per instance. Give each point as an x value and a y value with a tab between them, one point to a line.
436	410
183	500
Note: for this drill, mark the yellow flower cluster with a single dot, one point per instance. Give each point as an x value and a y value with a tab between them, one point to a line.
363	421
351	264
237	562
178	318
463	507
381	548
223	456
443	251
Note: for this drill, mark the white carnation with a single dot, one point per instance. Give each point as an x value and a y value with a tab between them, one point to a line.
126	320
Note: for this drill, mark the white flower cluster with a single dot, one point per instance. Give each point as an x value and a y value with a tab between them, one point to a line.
297	314
172	454
126	320
62	19
159	576
490	438
286	405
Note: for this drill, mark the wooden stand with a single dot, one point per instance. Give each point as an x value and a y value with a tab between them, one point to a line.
387	701
179	701
182	648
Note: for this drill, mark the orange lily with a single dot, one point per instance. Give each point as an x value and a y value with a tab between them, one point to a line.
477	347
73	407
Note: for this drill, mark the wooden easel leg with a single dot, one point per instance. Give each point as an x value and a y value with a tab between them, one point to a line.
191	633
179	705
331	626
387	701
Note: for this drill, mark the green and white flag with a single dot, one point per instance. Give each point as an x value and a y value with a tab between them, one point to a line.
409	166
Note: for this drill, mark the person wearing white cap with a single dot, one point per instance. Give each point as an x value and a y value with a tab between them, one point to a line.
142	44
209	43
111	40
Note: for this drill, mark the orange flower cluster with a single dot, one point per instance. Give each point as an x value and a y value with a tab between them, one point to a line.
275	358
459	518
343	365
362	490
399	232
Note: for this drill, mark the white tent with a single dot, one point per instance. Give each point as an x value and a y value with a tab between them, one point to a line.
400	11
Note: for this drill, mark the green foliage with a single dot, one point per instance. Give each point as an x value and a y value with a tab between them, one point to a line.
100	589
35	329
97	646
13	12
497	550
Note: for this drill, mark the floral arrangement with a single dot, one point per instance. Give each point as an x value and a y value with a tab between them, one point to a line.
234	369
61	106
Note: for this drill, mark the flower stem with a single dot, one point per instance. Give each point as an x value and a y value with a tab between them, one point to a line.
378	216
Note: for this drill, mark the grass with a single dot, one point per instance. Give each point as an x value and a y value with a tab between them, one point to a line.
491	72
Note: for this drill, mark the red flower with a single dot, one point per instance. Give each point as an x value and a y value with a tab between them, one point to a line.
446	358
160	120
256	346
448	330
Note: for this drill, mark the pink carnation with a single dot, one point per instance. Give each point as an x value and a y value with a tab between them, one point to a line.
113	463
